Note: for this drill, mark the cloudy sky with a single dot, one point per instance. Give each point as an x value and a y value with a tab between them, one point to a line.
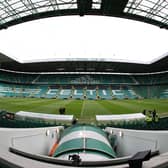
84	37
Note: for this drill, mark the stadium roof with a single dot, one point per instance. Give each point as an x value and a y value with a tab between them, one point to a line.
13	12
88	66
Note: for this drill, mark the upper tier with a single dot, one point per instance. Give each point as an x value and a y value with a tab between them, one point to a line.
84	79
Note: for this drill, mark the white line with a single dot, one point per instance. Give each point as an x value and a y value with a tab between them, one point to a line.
83	106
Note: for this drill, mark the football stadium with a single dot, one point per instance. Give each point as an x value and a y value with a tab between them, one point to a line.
83	112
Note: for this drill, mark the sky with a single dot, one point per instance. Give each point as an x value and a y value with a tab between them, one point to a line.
92	37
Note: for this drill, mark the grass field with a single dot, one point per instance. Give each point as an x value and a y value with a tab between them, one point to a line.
85	110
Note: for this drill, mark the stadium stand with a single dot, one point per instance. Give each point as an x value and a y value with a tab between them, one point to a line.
124	94
151	79
64	94
83	86
164	94
91	94
104	94
78	94
52	93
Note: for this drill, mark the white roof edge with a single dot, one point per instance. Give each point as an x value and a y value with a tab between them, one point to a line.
159	58
86	73
83	59
13	58
88	59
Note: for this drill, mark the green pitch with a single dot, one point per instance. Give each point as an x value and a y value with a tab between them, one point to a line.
85	110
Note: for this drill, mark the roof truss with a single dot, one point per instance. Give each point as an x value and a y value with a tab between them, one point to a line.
13	12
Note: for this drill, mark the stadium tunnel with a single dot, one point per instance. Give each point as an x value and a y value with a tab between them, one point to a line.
81	145
88	142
